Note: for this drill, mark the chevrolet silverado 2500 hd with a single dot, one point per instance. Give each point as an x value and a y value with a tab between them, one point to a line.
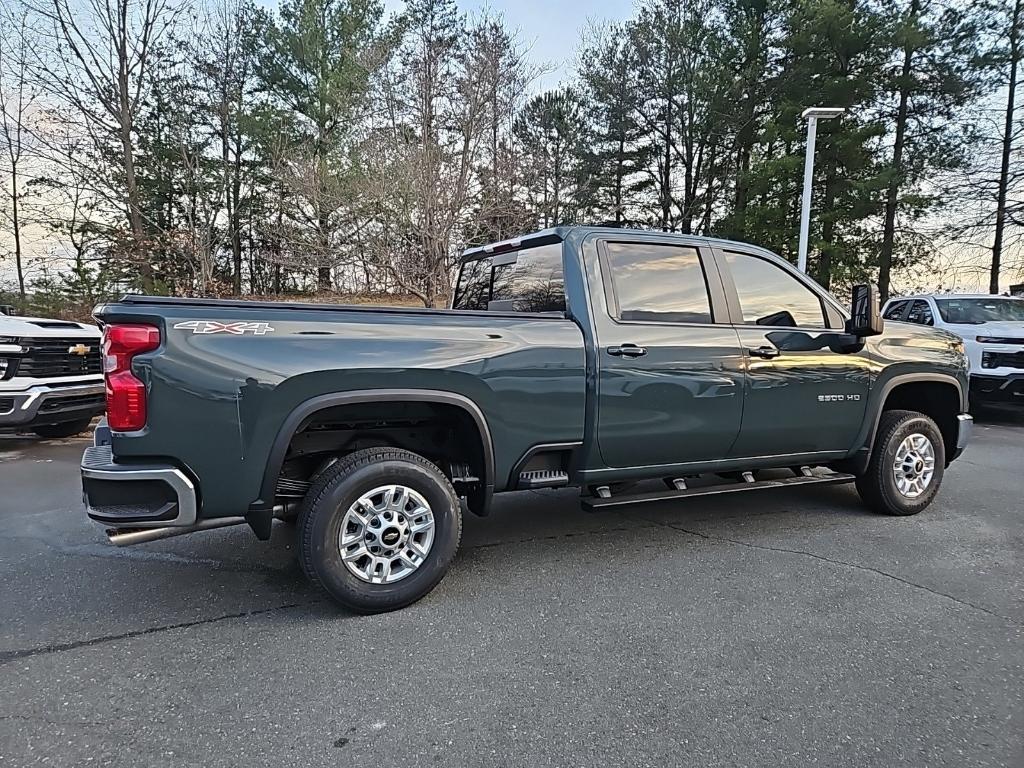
51	382
579	357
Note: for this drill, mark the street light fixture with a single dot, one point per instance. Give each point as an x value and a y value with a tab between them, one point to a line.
812	115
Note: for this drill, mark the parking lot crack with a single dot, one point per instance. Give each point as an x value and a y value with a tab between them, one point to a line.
6	657
555	536
845	564
116	553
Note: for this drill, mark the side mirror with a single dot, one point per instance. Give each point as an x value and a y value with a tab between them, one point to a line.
865	315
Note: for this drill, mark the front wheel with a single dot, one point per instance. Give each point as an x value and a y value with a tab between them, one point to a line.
906	467
379	529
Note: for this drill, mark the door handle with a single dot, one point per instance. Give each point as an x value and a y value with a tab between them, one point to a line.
627	350
766	352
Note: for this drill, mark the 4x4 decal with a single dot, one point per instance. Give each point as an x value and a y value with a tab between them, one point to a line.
212	326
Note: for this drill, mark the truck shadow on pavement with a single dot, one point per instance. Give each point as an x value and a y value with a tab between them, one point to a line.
1000	415
528	532
231	573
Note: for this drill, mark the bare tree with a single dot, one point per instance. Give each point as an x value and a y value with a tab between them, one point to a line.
1015	54
505	74
17	108
422	159
66	206
224	58
98	60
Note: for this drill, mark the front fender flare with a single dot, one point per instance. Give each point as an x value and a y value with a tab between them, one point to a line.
866	437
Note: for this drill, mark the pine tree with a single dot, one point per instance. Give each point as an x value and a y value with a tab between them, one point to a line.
316	66
615	155
935	71
550	133
834	51
753	29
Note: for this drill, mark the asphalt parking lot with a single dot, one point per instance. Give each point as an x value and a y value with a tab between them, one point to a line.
772	629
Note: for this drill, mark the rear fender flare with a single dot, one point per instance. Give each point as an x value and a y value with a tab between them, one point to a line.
304	410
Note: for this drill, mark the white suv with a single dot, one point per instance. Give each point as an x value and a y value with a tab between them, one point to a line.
51	377
992	328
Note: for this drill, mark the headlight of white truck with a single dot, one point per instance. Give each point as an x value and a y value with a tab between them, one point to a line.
8	346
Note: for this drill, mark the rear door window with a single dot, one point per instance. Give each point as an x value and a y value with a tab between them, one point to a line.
660	283
531	280
895	310
920	313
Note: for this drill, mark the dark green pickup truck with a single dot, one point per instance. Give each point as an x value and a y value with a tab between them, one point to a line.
582	357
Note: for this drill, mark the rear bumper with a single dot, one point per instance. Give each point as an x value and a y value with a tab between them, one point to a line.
135	495
50	405
998	389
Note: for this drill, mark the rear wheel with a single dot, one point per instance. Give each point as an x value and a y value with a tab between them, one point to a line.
906	467
64	429
379	529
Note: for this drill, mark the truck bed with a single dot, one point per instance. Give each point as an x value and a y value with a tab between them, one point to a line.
217	399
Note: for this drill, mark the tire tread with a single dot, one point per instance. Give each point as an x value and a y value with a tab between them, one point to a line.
871	485
347	464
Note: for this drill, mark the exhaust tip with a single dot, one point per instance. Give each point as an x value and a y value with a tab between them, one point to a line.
126	537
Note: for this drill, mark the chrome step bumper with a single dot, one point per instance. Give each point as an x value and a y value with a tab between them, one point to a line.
136	495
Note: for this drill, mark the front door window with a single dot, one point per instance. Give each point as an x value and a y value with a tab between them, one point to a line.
771	296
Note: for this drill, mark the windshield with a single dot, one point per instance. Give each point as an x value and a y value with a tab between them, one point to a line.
978	311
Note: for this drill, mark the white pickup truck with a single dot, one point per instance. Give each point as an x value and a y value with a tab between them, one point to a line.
51	376
992	328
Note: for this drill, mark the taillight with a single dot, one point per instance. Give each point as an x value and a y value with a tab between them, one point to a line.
126	395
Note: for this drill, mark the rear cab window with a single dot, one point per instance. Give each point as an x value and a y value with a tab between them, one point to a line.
528	280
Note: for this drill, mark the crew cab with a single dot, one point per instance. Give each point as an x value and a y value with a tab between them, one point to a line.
51	382
992	328
584	357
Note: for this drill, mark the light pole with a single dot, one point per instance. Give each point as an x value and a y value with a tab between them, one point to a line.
812	114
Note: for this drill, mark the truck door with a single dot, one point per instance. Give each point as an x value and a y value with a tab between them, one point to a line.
802	394
669	378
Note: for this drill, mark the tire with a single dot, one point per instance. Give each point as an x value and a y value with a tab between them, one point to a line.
878	485
326	508
64	429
